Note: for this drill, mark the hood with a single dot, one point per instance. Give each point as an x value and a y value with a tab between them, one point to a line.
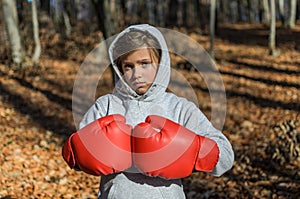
162	77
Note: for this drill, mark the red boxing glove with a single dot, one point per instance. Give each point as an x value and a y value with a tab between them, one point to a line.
164	148
100	148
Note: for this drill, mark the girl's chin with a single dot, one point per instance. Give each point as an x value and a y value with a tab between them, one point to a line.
141	90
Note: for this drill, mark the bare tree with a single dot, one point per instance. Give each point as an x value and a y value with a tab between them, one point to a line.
109	15
131	11
11	22
67	23
292	17
37	50
65	13
224	11
232	11
84	9
45	5
180	14
240	9
162	11
281	12
151	11
212	26
266	11
203	14
272	36
251	11
61	17
191	7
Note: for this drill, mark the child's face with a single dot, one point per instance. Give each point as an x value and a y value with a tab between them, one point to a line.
139	69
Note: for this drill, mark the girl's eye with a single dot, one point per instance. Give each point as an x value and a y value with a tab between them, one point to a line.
145	64
127	67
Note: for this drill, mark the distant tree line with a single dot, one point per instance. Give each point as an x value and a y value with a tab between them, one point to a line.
112	16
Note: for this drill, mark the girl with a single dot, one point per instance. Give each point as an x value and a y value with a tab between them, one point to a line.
145	165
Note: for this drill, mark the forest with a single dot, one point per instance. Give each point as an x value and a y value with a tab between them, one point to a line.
50	52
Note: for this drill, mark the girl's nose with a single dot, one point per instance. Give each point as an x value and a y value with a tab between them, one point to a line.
137	72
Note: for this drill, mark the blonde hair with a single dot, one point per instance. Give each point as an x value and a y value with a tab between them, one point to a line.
132	41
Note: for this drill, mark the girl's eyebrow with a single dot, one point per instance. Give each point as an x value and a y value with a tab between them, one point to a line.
145	59
140	60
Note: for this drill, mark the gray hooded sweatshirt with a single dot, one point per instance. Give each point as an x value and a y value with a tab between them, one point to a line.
156	101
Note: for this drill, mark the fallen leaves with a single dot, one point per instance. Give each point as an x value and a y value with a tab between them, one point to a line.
36	118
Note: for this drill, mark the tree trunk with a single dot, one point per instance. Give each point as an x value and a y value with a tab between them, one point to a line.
179	13
72	9
108	23
240	10
266	11
272	36
298	10
224	14
11	22
172	14
212	27
151	14
58	17
37	50
292	17
132	11
45	5
61	17
162	12
203	15
84	9
233	11
190	15
67	23
67	12
281	13
251	14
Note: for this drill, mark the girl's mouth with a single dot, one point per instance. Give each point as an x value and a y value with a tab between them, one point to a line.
139	84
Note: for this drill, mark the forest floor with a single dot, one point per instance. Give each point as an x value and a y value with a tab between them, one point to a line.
262	92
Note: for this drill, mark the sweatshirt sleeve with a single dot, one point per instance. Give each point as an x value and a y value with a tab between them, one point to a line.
95	112
196	121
